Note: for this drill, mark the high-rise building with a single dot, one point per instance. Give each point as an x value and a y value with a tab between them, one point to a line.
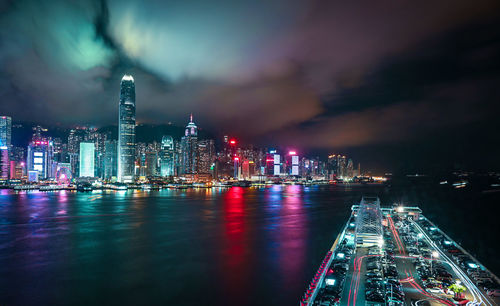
110	159
177	157
99	139
206	155
277	164
167	156
5	131
332	166
291	163
39	158
37	132
5	146
16	169
343	166
245	169
151	163
350	168
4	163
126	130
74	138
87	159
269	164
337	166
189	147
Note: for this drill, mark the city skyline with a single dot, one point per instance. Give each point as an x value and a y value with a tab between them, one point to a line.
236	152
89	155
409	90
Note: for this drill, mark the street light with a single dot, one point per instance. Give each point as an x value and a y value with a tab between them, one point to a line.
434	254
419	236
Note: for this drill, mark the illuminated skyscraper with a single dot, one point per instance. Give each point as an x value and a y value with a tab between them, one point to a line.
5	145
167	156
5	131
292	163
87	159
206	155
189	148
4	163
337	166
39	157
110	159
349	168
151	162
277	164
126	130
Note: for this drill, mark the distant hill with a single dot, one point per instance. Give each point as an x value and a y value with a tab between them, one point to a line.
154	132
22	132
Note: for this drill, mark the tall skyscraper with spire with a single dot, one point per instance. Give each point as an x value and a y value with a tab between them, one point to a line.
189	148
126	130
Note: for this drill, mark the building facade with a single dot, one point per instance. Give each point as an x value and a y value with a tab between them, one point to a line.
126	130
39	158
5	131
189	148
110	159
87	159
167	156
206	155
4	163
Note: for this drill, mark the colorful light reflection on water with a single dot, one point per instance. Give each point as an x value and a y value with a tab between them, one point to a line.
237	246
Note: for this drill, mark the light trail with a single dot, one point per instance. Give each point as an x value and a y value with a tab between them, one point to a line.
411	281
92	199
358	278
419	288
396	236
352	279
358	262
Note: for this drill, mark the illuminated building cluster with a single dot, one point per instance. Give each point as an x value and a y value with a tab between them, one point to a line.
91	154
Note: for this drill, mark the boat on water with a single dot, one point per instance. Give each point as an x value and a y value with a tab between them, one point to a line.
242	184
84	186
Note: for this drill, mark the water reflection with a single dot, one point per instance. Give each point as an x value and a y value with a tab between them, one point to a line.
237	246
235	243
292	235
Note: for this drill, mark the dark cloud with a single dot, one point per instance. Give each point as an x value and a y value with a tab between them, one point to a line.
324	74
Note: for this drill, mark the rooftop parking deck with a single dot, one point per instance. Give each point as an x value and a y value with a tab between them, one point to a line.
414	265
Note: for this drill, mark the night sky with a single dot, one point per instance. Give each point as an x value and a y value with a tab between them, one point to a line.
395	84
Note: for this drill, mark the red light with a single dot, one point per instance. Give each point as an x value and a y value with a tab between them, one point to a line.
292	153
236	158
232	141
